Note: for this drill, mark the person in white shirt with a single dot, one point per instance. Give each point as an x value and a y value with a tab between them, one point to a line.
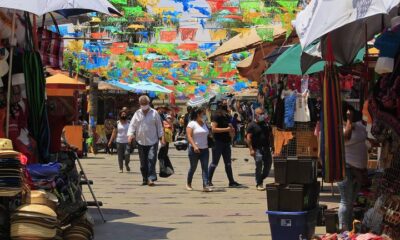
147	130
120	133
197	134
355	136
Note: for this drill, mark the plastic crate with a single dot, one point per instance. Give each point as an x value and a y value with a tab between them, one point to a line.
292	225
292	197
302	170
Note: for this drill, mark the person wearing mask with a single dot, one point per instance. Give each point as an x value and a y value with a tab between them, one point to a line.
197	134
259	135
356	156
109	125
223	133
147	130
120	134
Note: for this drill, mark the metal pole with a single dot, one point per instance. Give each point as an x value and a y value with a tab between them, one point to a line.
12	44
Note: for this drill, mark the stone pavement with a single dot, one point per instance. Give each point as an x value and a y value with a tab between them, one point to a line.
168	211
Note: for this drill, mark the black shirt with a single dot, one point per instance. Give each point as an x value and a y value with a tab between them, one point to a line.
222	119
260	134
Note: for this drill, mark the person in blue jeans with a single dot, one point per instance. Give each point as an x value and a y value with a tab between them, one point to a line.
259	137
197	134
223	133
356	156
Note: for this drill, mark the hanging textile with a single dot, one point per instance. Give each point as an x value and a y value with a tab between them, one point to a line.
134	11
216	5
123	2
188	33
151	3
168	36
218	34
332	139
119	48
266	34
241	30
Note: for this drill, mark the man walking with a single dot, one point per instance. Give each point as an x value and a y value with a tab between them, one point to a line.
259	137
223	133
146	129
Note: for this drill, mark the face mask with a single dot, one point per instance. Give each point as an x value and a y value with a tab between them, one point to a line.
261	118
145	107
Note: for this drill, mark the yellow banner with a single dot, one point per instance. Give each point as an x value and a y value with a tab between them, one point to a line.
217	35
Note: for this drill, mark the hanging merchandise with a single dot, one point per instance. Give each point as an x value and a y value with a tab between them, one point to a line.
119	48
51	45
332	139
188	33
133	11
266	34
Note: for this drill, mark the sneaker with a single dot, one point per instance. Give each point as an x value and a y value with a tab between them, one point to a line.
121	171
189	187
234	185
128	169
260	188
144	183
151	183
207	189
210	184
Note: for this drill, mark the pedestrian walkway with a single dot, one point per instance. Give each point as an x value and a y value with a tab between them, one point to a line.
168	211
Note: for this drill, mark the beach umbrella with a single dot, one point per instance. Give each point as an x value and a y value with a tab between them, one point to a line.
145	86
350	24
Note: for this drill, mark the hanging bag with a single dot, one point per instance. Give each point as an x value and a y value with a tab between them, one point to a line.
51	45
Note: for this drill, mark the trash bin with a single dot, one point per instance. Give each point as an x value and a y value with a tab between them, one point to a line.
292	225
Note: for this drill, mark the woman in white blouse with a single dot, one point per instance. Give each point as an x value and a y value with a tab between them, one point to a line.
197	134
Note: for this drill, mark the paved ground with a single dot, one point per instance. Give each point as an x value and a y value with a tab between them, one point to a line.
168	211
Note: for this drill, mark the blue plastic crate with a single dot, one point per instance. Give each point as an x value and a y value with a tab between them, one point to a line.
292	225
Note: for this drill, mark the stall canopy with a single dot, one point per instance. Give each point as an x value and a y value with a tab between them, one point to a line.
245	41
63	81
289	62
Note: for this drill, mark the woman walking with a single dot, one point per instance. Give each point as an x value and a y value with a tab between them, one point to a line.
120	134
197	134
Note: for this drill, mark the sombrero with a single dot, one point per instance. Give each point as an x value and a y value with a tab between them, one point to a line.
38	209
6	148
28	230
43	198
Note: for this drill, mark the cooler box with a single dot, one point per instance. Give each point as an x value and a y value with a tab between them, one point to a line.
292	225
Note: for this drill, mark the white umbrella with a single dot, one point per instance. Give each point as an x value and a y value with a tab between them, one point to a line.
64	7
41	7
322	17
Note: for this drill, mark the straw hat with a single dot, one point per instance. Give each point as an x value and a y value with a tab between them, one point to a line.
38	209
43	198
29	230
6	148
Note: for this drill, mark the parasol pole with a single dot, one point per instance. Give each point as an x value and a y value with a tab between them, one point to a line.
12	45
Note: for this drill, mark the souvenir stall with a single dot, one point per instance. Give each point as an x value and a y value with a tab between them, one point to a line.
40	185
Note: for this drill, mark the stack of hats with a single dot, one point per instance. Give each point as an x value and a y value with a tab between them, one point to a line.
10	170
80	229
34	221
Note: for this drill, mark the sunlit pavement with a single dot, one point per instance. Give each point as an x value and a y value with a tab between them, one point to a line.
169	211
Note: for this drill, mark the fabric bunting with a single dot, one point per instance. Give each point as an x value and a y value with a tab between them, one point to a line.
241	30
218	35
266	34
168	36
151	3
188	33
133	11
289	5
203	10
123	2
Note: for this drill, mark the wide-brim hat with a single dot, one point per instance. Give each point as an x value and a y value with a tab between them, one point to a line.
9	192
37	208
29	230
34	218
43	198
6	149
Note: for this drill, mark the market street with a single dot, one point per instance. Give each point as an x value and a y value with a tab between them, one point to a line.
168	211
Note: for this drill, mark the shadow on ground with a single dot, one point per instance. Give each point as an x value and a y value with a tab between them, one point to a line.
111	214
129	231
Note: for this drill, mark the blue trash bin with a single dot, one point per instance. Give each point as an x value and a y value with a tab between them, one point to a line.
292	225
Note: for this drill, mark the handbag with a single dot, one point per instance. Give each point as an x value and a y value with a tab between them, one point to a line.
51	45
